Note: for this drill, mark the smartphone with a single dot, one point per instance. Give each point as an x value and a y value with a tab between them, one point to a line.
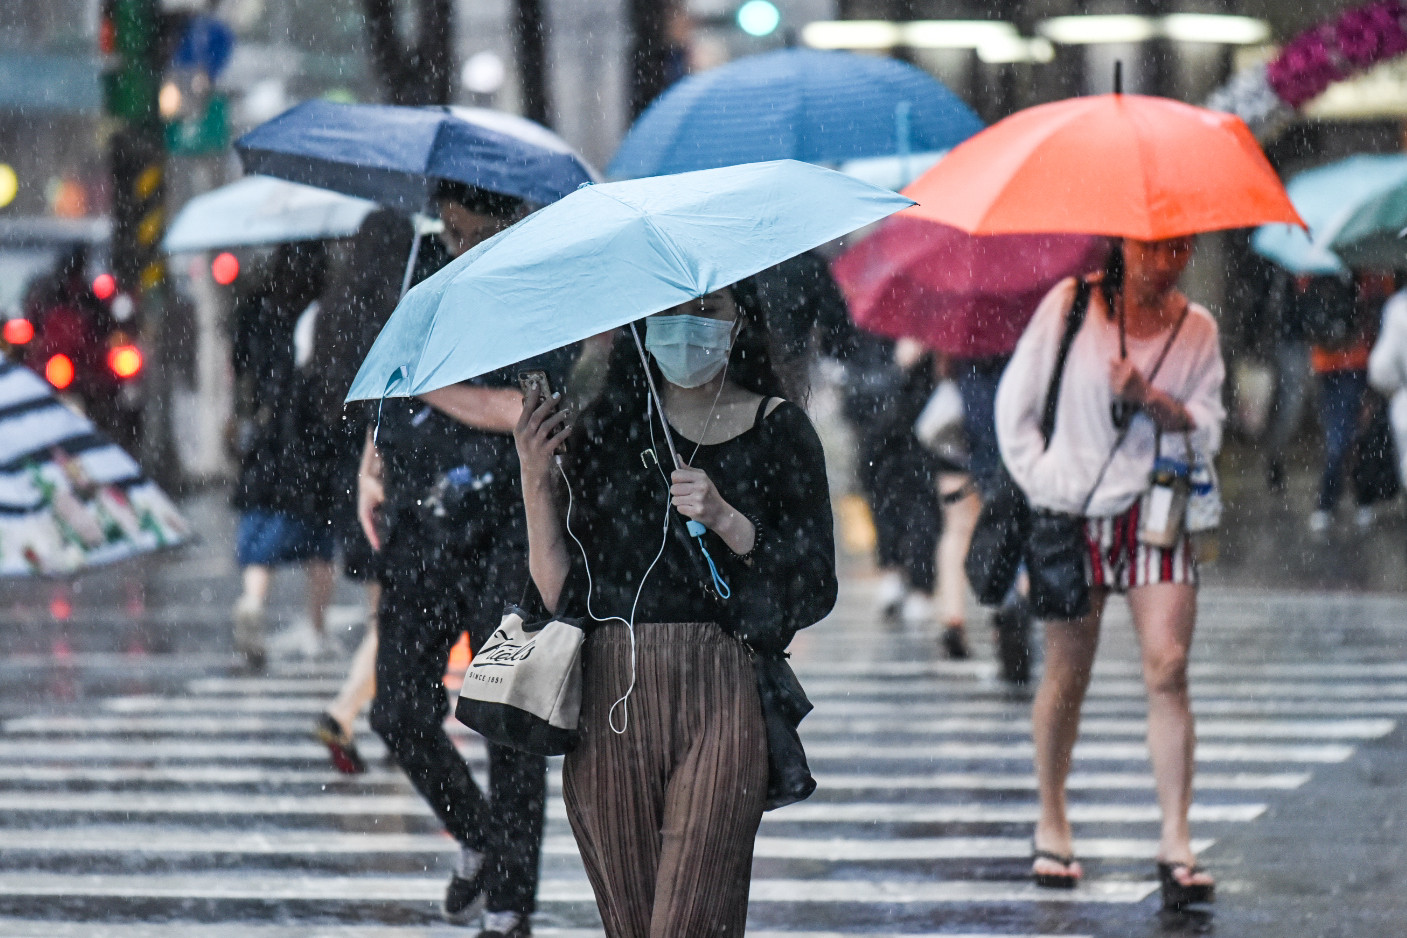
529	380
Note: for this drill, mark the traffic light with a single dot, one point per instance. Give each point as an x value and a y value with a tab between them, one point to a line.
132	35
136	36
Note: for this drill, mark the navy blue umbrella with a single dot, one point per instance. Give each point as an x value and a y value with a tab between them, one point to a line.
800	104
394	155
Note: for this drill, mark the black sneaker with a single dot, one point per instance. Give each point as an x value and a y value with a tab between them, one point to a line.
1013	626
464	899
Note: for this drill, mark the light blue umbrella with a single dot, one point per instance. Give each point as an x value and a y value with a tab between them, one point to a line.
604	256
1328	198
801	104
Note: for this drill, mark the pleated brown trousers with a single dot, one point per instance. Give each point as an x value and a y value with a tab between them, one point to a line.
665	814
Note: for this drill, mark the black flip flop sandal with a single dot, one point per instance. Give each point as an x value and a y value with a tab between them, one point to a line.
1054	880
1176	894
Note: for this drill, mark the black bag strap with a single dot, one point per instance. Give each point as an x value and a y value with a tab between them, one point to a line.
1073	321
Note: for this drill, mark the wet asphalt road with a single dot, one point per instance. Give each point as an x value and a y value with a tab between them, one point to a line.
147	791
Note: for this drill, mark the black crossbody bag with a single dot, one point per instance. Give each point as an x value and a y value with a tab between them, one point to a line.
1002	537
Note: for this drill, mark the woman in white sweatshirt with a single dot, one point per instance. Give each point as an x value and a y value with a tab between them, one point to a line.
1169	381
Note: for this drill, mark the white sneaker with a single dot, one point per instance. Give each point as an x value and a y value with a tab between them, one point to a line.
1365	517
1319	522
891	595
917	610
299	640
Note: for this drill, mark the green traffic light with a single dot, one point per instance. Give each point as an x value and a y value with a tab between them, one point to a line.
759	18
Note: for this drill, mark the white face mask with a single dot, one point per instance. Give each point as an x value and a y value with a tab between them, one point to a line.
690	350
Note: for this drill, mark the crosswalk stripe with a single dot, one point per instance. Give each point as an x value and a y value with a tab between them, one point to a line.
820	687
1134	704
20	928
209	804
210	775
149	839
189	750
813	728
401	889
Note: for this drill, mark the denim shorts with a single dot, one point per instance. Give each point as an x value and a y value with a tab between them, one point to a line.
272	538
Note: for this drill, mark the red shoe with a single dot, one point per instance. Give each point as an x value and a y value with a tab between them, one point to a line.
340	745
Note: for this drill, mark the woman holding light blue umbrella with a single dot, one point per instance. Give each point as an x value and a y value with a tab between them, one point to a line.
696	574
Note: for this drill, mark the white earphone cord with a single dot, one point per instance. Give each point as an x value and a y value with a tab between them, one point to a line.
623	702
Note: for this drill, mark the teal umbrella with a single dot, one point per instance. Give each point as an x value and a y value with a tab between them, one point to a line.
1354	208
604	256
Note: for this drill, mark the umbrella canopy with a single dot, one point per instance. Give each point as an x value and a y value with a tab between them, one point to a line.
605	256
1123	165
965	295
1369	236
70	499
394	155
263	210
892	172
1330	198
799	104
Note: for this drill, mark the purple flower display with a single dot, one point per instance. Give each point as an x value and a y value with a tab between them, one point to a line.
1354	41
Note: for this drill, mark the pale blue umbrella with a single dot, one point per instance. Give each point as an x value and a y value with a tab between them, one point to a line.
608	255
1335	200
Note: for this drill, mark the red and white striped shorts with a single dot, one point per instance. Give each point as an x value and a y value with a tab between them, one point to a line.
1118	561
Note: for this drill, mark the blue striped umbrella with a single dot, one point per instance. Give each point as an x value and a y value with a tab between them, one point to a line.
800	104
70	499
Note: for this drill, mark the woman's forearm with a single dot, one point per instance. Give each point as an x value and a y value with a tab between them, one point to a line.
548	560
736	531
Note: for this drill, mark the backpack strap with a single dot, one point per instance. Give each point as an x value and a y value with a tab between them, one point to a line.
1073	321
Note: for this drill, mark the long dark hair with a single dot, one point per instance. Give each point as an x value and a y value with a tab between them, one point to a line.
356	305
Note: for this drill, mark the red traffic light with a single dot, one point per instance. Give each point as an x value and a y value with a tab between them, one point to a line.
224	268
125	360
18	331
59	371
104	286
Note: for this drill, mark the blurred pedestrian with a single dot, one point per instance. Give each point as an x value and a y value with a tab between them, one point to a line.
667	787
1339	360
1295	304
278	523
351	312
439	498
886	386
1387	371
977	379
1141	385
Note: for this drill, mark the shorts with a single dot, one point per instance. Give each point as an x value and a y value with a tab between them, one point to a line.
1119	562
272	538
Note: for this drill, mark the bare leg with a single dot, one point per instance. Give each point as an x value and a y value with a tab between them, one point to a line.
959	518
360	686
322	580
1164	616
1055	725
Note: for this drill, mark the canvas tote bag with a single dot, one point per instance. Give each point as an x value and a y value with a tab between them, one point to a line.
523	687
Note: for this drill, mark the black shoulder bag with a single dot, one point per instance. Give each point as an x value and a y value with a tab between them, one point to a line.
1003	528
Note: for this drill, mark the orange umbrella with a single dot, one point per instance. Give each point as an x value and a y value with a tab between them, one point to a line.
1123	165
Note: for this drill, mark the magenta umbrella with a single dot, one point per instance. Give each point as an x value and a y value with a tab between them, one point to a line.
969	296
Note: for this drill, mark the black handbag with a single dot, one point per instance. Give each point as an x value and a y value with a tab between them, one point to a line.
1057	565
784	705
999	541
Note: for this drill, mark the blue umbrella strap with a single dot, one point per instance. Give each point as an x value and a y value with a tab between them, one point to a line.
720	585
390	382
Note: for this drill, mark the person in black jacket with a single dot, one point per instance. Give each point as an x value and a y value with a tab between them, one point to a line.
438	497
667	786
